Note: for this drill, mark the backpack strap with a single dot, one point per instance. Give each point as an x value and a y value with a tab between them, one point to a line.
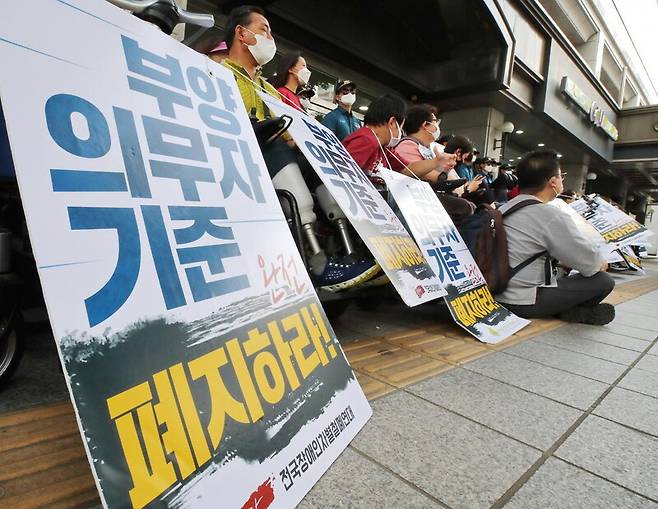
548	264
519	206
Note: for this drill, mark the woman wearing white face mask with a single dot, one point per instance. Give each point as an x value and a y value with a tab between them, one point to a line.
291	74
341	120
415	150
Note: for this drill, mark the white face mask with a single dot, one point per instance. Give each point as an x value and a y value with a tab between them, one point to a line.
306	103
436	134
394	141
348	99
303	75
264	49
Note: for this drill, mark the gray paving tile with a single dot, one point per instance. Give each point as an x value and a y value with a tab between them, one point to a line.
630	408
642	321
637	307
579	364
461	463
558	485
648	363
372	324
628	330
639	380
648	297
590	347
530	418
653	350
614	452
356	482
346	335
559	385
604	336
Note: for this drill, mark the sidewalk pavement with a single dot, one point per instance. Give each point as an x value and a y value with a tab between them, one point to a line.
562	416
568	419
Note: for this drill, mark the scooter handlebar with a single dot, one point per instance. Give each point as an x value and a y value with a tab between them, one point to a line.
136	6
192	18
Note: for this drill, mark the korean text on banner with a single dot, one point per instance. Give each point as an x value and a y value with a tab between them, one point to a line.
470	301
199	359
613	224
368	212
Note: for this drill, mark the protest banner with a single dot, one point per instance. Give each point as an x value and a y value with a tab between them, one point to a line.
627	261
613	224
468	297
201	365
370	215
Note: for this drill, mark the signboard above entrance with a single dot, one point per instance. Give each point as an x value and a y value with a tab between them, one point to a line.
589	106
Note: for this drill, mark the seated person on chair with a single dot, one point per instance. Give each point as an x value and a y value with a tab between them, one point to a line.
415	150
370	146
251	45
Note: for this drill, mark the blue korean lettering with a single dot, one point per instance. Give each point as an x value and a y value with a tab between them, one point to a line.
318	155
166	98
219	120
226	91
324	135
160	135
213	256
109	299
187	176
87	181
166	70
131	151
356	202
165	266
201	84
59	111
202	217
231	177
448	263
419	226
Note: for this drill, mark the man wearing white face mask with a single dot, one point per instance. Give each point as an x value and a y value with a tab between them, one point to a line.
370	145
341	120
250	46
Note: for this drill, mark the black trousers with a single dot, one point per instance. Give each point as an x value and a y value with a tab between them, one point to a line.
571	291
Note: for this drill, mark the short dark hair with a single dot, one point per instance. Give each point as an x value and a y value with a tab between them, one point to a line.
383	108
459	142
239	16
536	168
417	115
286	62
445	138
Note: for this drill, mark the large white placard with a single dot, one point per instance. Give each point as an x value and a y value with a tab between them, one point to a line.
468	297
203	370
614	225
372	218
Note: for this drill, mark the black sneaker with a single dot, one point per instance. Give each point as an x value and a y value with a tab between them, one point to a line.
343	274
600	314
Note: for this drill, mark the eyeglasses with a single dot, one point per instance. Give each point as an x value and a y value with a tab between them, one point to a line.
347	91
561	175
